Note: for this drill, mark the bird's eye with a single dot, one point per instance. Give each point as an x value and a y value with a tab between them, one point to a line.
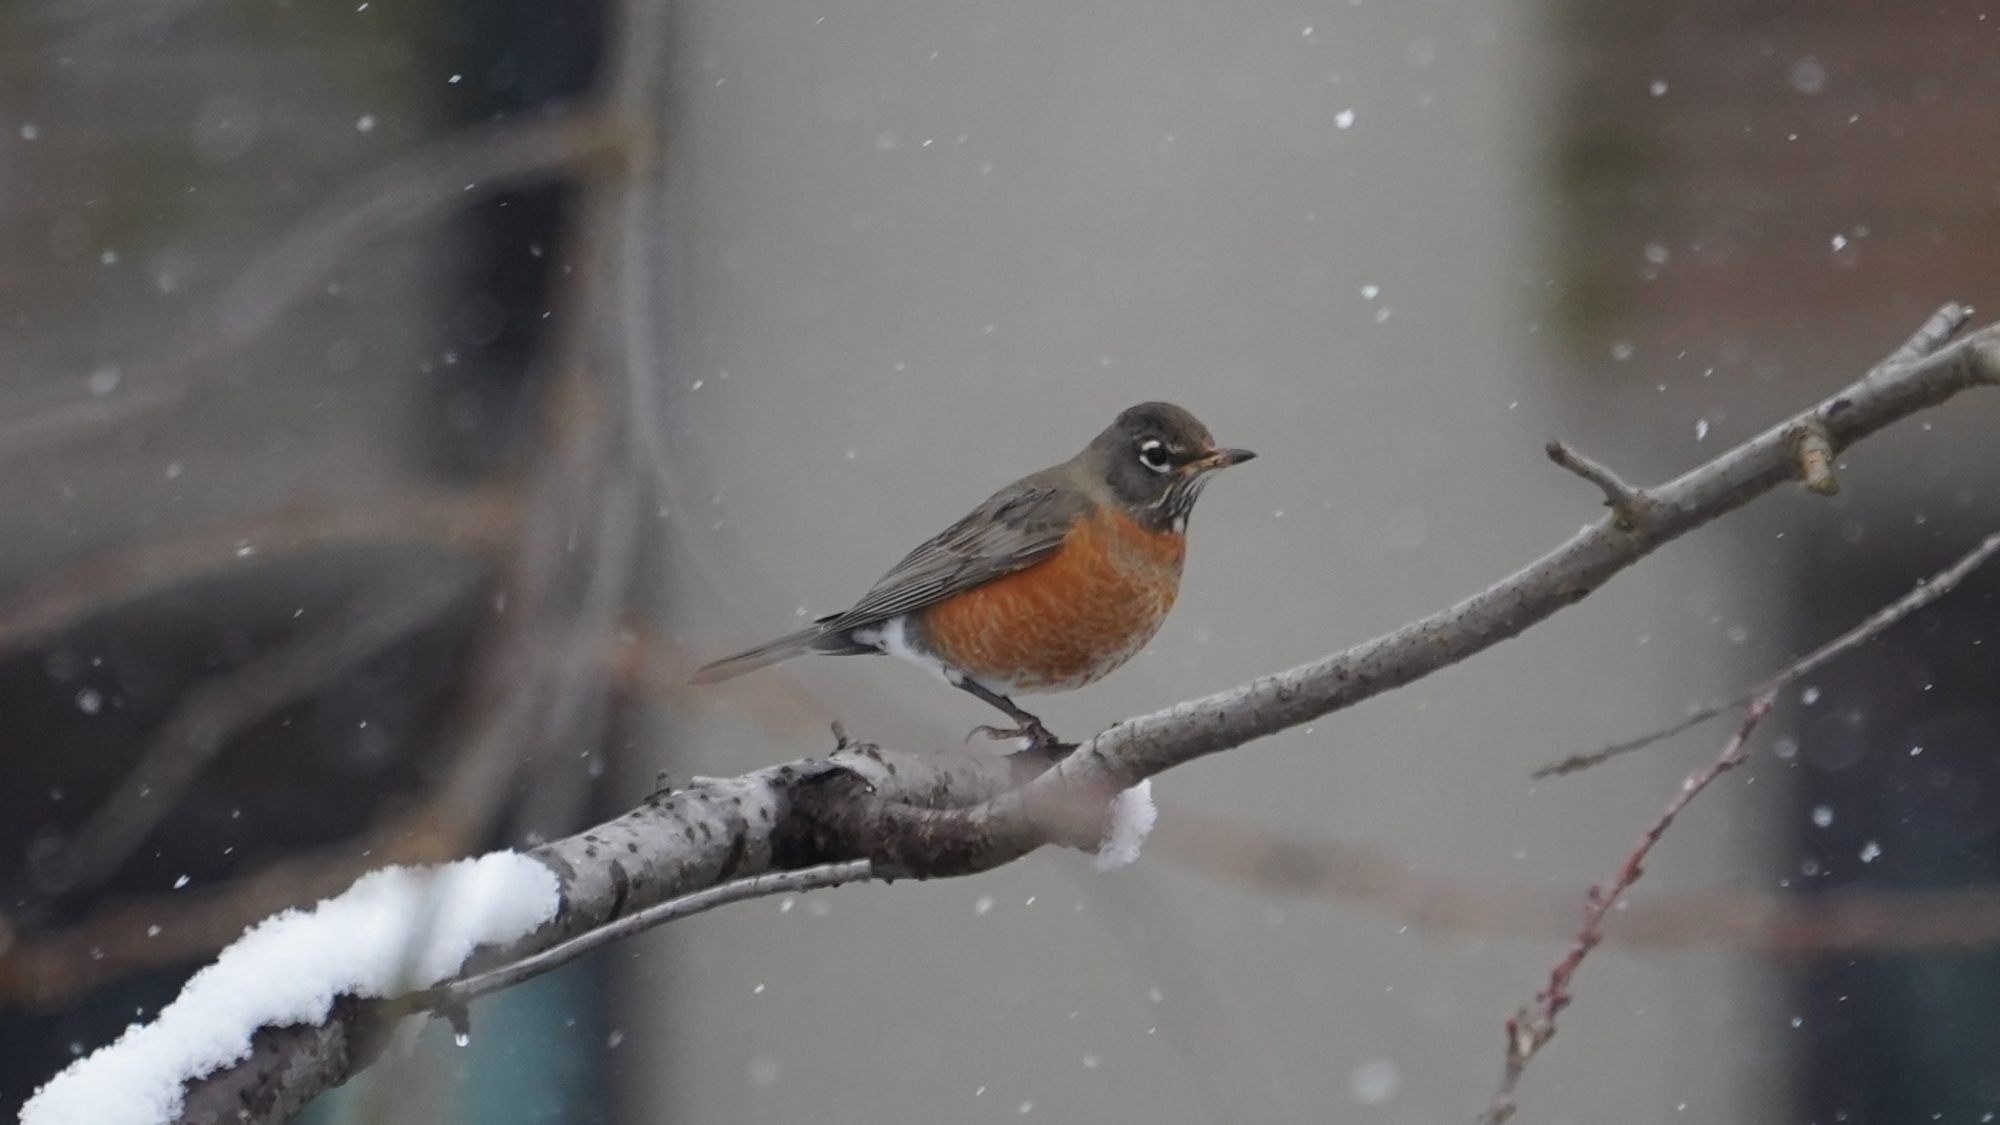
1154	456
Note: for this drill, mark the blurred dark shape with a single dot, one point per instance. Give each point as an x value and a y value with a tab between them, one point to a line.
169	145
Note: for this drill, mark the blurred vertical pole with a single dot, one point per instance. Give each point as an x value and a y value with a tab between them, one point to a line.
630	253
152	151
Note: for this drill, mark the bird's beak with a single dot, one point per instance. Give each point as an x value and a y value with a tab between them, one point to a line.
1221	459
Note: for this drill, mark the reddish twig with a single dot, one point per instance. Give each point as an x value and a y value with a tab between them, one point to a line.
1533	1026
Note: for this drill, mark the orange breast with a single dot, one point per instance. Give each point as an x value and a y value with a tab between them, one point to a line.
1071	618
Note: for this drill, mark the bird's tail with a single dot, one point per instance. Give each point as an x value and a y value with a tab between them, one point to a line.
812	638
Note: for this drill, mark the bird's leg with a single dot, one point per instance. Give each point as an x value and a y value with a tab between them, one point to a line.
1040	738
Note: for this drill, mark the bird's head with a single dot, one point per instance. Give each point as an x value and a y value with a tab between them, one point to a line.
1156	457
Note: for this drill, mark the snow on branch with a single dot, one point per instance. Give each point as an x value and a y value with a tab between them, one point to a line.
394	930
674	848
1132	817
929	816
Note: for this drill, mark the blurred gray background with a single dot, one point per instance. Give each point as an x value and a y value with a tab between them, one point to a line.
851	268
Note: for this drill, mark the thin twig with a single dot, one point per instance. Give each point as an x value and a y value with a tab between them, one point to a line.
1533	1026
1926	592
458	992
1931	335
1623	499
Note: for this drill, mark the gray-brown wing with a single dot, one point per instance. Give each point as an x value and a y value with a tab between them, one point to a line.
1013	530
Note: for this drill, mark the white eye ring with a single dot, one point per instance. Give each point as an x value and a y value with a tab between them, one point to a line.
1153	455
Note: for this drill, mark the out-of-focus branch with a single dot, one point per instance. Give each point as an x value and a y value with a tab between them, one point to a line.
468	166
448	173
1816	924
1534	1026
152	931
471	520
856	806
221	707
1926	592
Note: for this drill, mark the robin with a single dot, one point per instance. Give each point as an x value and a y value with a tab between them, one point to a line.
1052	583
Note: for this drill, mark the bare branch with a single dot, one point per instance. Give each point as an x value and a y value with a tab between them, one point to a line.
1926	592
474	520
1862	919
1533	1026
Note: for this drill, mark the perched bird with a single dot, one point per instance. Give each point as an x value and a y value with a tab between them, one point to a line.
1052	583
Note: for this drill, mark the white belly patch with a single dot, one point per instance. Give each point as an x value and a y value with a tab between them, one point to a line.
893	638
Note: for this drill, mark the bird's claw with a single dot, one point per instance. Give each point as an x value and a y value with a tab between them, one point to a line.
1038	737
